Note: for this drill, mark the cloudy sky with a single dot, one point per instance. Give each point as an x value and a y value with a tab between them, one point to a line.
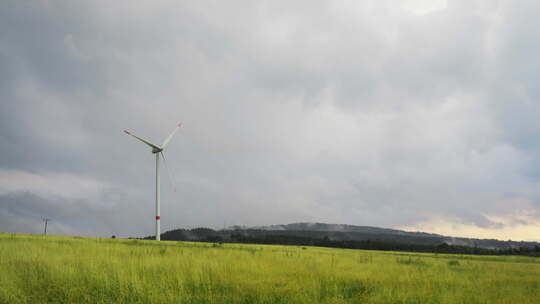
419	115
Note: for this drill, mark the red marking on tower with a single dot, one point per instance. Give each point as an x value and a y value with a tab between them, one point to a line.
158	218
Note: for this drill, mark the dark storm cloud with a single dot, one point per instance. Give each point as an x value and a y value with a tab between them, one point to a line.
23	212
359	113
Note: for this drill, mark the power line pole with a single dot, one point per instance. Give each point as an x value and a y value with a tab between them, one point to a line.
46	220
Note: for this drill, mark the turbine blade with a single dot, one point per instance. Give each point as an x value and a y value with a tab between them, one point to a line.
171	179
168	139
143	140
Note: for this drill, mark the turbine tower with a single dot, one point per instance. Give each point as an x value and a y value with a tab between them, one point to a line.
158	150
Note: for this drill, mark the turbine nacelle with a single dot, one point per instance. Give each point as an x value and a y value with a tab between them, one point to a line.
156	150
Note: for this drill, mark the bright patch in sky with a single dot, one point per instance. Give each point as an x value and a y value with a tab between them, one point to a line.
63	185
521	225
422	7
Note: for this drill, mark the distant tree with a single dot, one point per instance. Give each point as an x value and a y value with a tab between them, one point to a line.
442	247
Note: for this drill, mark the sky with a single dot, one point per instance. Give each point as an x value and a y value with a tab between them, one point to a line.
416	115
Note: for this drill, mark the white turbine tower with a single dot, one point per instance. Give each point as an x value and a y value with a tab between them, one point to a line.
157	150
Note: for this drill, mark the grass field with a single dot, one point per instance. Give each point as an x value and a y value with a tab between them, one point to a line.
38	269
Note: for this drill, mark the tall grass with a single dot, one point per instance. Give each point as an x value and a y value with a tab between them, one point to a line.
37	269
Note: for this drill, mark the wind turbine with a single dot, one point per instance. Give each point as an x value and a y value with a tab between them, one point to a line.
157	150
46	221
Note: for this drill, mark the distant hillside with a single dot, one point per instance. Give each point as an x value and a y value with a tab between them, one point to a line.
302	232
351	232
341	228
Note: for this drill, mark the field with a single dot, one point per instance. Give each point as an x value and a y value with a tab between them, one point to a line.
40	269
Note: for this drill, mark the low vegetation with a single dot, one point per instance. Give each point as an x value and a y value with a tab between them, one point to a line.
40	269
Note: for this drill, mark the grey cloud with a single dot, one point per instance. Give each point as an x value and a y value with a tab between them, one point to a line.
23	212
353	113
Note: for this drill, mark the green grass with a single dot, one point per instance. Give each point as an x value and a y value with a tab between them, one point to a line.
37	269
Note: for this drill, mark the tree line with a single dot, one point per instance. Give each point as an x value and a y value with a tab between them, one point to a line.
288	238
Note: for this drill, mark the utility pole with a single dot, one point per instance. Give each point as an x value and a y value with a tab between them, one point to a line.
46	220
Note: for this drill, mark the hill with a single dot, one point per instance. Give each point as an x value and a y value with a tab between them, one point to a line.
344	236
352	232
